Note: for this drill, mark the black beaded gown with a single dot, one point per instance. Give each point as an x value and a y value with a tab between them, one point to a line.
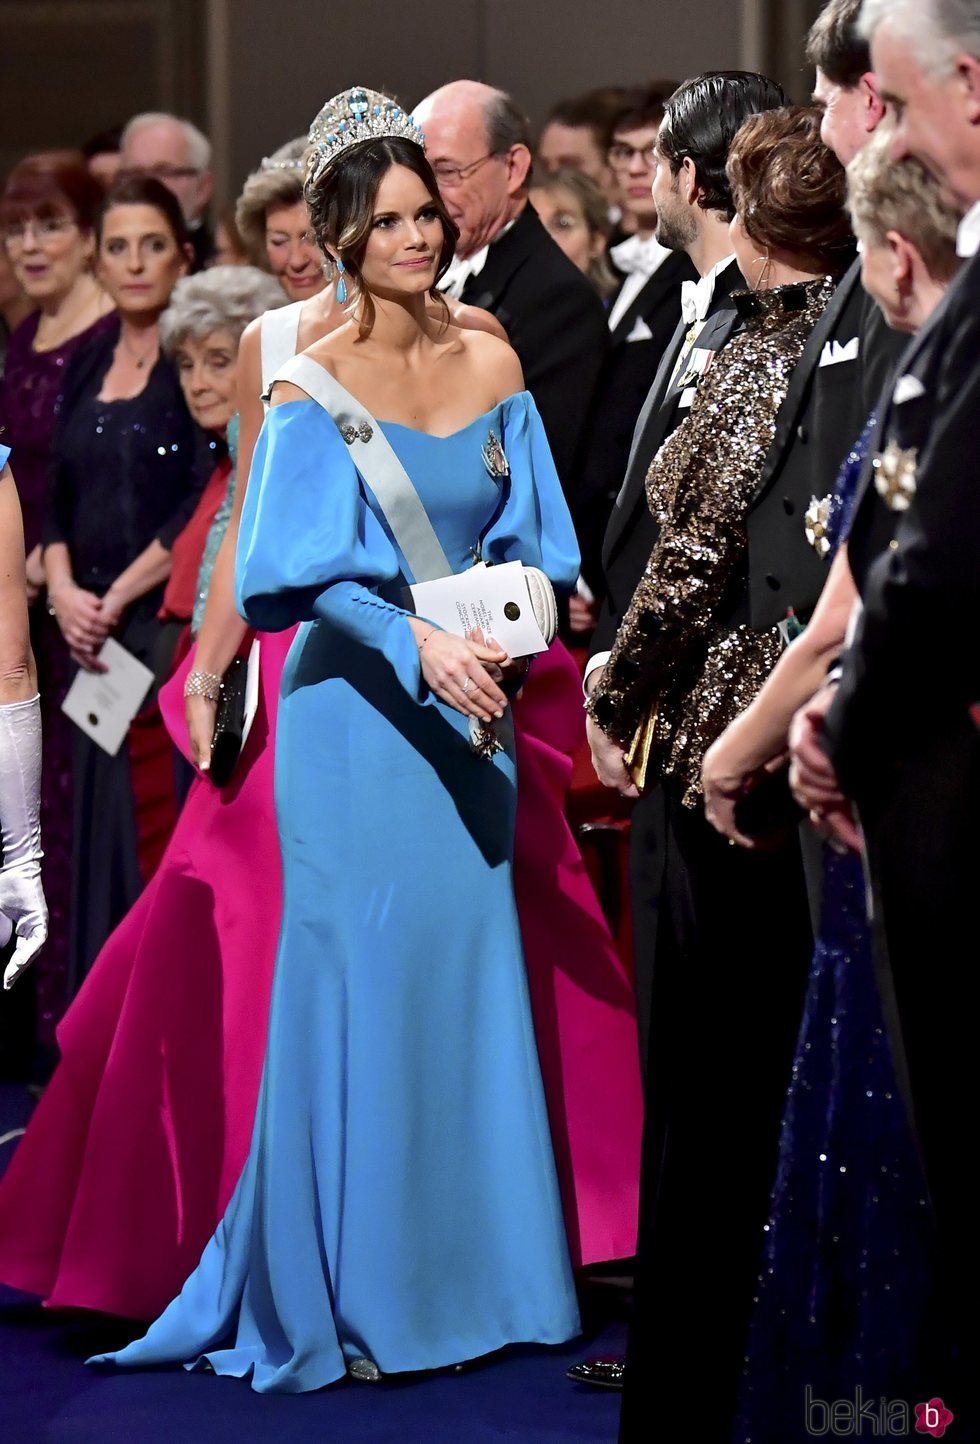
847	1295
125	473
30	401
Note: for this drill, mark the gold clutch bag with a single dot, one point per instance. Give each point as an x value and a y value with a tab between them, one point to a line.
640	750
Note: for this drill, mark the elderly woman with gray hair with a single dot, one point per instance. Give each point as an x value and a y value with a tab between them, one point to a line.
133	1152
200	331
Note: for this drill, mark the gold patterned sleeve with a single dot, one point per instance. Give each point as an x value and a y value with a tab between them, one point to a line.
700	482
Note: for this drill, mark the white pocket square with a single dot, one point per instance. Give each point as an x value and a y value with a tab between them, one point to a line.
907	388
835	352
640	332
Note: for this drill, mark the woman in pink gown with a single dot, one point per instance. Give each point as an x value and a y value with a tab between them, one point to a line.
138	1140
136	1146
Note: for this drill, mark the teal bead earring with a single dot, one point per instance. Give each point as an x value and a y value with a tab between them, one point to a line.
341	283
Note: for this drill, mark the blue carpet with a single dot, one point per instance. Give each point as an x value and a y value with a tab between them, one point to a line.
47	1396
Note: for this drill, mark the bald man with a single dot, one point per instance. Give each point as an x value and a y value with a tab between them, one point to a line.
175	152
477	140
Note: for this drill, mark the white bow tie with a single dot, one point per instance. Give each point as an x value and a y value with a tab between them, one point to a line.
696	299
460	271
634	257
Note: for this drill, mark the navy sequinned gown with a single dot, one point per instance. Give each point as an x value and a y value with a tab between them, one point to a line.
846	1271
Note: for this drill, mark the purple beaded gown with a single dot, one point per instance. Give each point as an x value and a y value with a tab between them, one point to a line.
30	394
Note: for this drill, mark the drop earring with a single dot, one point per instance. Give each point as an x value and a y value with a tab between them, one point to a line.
341	283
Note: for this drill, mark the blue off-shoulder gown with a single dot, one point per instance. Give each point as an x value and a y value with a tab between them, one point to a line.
400	1200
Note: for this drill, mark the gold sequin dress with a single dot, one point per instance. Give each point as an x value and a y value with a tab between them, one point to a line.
684	663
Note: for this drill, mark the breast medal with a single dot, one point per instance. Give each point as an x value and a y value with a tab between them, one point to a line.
895	475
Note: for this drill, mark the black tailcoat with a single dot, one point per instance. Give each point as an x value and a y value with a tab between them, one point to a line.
556	324
839	378
624	383
907	749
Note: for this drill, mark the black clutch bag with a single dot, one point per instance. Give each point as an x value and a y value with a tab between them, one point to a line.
769	811
233	718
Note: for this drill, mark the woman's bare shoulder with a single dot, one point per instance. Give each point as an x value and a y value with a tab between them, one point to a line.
474	318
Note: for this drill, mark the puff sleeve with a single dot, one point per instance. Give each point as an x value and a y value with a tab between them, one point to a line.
534	525
311	549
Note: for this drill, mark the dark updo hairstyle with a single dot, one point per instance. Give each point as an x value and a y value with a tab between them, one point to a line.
790	190
702	119
48	186
341	205
146	190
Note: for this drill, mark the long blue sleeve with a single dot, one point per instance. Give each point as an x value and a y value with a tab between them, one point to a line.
534	526
310	548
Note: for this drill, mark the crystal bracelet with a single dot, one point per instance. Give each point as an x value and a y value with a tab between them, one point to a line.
203	684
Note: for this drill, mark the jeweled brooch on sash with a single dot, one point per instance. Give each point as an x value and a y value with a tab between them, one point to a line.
895	475
352	433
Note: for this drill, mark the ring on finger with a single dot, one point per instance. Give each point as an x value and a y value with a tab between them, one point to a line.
467	684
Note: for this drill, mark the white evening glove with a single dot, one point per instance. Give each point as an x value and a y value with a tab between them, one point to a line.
21	895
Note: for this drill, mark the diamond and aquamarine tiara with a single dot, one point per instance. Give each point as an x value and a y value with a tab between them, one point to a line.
351	117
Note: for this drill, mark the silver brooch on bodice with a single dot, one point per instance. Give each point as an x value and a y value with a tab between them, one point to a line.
360	432
494	458
895	475
815	521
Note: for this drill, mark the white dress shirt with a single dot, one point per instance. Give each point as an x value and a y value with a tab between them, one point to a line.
696	298
968	235
459	271
638	260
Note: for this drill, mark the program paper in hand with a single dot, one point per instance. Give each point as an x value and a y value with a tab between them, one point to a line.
495	599
103	704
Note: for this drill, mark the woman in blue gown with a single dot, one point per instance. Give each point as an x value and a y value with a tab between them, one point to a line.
399	1206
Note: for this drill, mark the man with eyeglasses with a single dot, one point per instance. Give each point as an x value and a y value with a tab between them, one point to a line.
175	152
643	317
478	143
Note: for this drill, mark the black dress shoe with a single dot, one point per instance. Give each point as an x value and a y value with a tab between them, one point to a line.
607	1373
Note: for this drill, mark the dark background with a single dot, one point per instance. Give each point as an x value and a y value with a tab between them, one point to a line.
253	73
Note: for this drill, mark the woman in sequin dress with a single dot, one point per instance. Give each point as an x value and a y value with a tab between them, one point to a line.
735	941
843	1294
125	483
47	218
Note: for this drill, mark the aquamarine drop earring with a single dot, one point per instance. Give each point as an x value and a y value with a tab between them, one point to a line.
341	283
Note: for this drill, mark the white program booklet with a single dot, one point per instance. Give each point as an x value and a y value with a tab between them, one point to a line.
104	703
493	598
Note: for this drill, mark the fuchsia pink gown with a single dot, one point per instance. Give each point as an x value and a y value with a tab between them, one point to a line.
137	1144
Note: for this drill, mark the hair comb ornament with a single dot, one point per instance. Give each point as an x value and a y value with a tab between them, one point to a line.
354	116
289	163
